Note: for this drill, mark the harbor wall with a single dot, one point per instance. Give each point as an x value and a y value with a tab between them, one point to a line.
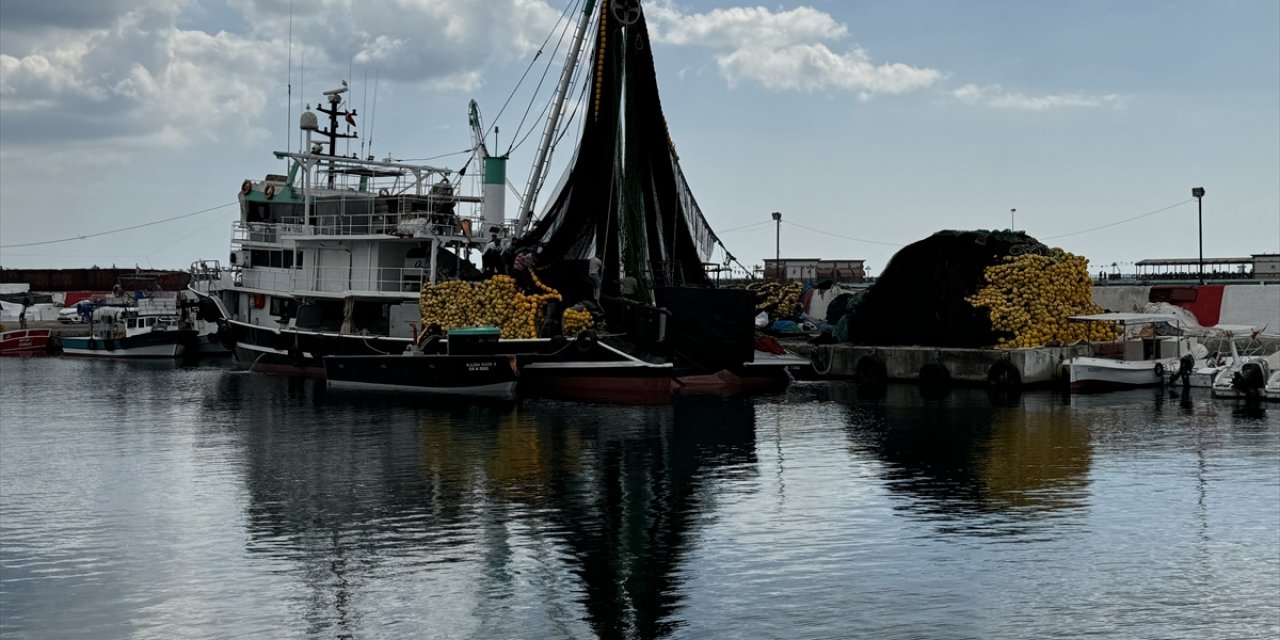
50	280
1254	304
1121	299
1036	366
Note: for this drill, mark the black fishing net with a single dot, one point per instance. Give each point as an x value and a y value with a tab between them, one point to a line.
625	197
919	298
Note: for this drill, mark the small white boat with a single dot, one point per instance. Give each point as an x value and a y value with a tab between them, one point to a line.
1249	377
1201	373
1145	361
1272	390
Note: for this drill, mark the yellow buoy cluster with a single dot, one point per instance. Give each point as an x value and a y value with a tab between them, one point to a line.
576	320
777	299
1031	296
495	302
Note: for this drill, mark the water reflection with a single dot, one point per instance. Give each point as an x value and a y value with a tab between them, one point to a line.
973	466
506	498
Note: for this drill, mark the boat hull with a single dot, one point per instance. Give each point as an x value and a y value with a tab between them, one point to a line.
1090	374
24	342
1272	390
580	368
296	352
168	344
430	374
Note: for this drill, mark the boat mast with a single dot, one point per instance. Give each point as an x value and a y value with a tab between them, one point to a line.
335	100
553	121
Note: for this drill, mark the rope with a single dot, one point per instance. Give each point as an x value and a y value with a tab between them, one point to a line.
120	230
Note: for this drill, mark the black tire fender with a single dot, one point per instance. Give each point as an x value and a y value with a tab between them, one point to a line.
586	341
1004	375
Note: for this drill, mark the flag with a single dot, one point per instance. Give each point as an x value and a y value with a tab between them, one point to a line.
350	120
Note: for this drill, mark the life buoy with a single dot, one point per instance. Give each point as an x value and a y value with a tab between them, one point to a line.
246	187
259	301
383	192
270	191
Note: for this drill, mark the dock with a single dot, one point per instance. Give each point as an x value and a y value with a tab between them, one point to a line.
937	366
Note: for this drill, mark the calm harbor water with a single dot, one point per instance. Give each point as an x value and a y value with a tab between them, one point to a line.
148	500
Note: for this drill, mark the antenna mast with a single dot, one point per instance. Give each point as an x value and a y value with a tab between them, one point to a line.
536	176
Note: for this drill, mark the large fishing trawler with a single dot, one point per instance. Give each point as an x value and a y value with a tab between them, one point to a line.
330	259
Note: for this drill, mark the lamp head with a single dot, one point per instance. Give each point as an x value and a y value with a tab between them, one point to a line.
777	215
1197	192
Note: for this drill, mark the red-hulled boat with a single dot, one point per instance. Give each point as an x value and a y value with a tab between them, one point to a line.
24	342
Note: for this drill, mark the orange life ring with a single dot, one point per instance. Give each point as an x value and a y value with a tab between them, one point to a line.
270	191
246	187
383	192
259	301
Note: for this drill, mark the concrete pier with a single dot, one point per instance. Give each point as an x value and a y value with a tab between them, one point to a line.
940	366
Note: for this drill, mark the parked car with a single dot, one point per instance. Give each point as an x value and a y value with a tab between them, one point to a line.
70	315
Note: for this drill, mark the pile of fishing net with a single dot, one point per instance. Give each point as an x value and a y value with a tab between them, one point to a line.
976	289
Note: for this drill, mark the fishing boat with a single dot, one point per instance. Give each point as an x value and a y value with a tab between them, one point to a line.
24	342
328	260
130	332
1144	360
467	364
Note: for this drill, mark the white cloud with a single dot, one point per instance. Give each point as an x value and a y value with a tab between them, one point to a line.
742	26
128	73
785	50
997	98
815	67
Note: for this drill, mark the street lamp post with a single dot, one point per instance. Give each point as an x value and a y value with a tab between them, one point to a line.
777	245
1198	194
1012	226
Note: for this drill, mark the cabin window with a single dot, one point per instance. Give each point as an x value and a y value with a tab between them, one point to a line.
132	324
283	307
151	322
260	258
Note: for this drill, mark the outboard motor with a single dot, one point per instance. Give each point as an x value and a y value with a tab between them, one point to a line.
1185	365
1251	378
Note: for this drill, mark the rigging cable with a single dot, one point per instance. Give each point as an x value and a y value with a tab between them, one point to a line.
836	235
524	75
1112	224
546	70
130	228
748	226
443	155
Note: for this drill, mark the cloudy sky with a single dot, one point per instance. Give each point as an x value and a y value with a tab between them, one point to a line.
868	124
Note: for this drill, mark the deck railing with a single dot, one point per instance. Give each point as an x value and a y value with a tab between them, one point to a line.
416	225
338	279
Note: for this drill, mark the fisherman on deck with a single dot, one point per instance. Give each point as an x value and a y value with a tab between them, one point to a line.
22	315
491	259
594	266
628	287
